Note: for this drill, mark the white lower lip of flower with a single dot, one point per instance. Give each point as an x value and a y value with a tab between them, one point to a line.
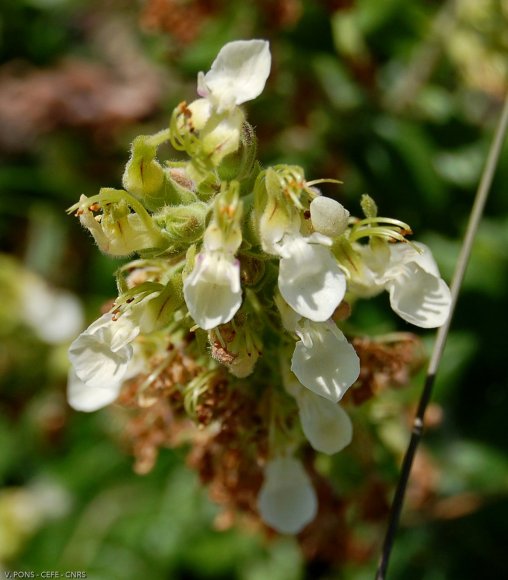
88	398
96	365
419	297
310	280
287	501
238	74
323	360
326	425
212	291
100	355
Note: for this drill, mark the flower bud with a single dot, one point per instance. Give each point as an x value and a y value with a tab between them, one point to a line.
184	223
277	217
118	231
328	216
143	175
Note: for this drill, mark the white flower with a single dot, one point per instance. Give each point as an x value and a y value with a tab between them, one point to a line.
83	397
287	501
328	216
212	290
119	235
323	360
55	315
100	355
410	275
417	292
326	425
237	75
91	397
219	132
310	279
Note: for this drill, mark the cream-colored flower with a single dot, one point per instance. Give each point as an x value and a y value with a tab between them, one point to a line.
310	279
287	501
237	75
410	275
323	360
101	354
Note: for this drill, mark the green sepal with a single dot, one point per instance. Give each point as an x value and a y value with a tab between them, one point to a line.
184	224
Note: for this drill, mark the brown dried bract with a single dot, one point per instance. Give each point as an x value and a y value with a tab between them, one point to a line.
385	363
155	403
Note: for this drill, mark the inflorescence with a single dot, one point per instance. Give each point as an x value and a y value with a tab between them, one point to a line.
229	317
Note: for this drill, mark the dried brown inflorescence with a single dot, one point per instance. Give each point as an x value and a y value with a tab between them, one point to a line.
155	403
229	441
385	363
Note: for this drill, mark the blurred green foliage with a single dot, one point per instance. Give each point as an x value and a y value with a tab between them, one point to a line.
397	99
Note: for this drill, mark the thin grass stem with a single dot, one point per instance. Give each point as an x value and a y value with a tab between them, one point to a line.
442	334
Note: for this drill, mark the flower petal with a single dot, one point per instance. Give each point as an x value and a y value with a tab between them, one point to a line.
101	353
96	364
324	362
221	135
212	290
55	315
238	74
325	424
419	297
83	397
287	501
310	279
402	253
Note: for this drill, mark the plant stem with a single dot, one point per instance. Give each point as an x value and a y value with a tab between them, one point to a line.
442	334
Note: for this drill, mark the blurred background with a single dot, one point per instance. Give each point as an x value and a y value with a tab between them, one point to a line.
396	99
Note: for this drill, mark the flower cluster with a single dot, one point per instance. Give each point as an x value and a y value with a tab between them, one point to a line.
247	271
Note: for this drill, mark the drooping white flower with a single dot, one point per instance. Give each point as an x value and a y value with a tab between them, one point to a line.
101	354
91	397
310	279
410	275
326	425
323	360
328	216
83	397
237	75
287	501
55	315
417	292
212	290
